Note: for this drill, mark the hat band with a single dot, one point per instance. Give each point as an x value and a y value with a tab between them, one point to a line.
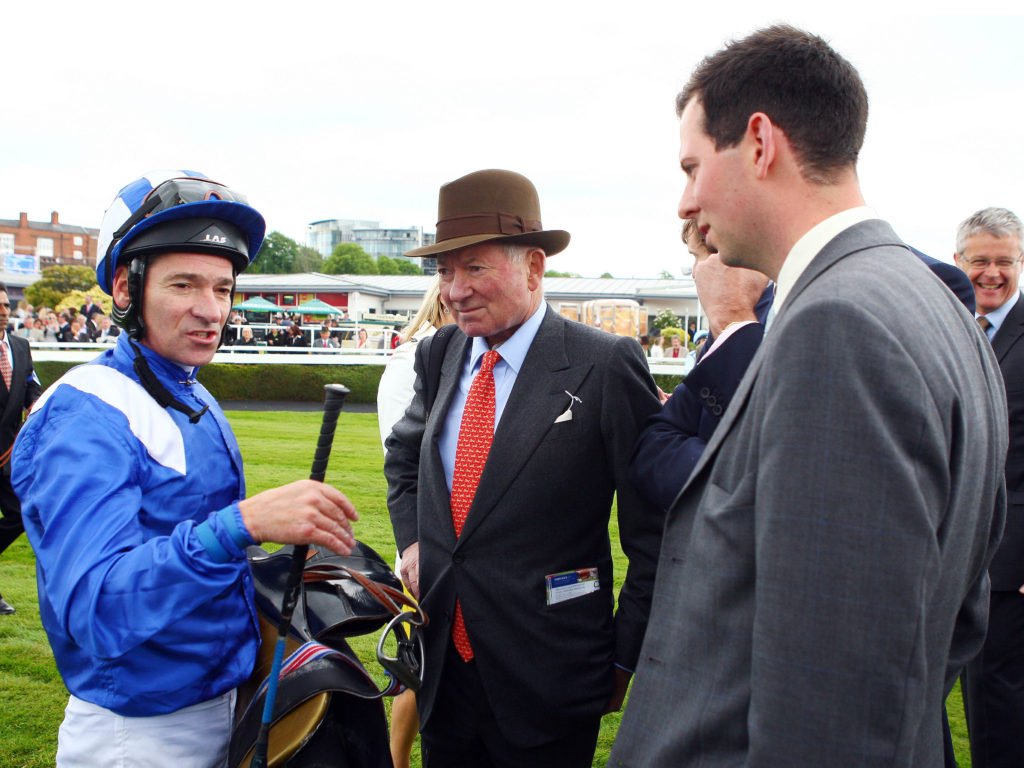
485	224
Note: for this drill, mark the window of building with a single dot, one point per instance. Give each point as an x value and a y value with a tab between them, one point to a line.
78	241
6	244
44	247
78	255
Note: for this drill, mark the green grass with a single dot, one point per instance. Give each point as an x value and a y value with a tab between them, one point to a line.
278	448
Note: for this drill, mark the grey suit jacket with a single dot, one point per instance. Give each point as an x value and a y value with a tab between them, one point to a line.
542	507
823	574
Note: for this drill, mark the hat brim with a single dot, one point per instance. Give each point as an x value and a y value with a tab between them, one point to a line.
551	240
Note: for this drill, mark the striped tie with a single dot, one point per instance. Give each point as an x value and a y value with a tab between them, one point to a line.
5	365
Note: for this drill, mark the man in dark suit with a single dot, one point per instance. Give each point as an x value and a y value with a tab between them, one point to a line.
735	299
89	307
19	388
736	302
524	652
823	573
989	250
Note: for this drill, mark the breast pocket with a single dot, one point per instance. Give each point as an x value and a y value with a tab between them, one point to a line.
723	533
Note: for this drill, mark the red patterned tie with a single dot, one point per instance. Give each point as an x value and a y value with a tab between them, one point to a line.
5	370
475	436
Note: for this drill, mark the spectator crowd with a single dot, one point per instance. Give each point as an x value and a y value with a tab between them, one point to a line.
88	324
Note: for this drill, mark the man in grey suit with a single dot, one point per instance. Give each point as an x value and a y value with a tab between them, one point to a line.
525	651
989	250
823	573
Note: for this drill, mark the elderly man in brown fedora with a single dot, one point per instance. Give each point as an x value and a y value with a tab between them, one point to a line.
501	477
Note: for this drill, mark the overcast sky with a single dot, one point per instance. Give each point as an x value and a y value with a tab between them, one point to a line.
345	110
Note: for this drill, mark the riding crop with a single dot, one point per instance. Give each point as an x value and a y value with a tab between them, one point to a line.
334	399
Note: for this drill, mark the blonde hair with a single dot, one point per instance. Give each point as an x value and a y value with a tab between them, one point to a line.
431	312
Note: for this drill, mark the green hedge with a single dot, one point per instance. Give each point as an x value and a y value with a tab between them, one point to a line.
289	383
668	381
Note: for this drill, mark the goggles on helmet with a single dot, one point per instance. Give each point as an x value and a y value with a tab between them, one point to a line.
148	215
177	192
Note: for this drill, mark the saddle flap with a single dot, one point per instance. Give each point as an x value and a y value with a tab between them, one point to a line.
309	677
333	603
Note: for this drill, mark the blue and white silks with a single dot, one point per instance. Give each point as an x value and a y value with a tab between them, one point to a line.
144	588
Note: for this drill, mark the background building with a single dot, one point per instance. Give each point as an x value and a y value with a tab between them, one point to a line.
324	236
395	298
27	247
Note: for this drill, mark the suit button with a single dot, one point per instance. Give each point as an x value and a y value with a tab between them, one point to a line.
712	400
704	392
457	558
717	410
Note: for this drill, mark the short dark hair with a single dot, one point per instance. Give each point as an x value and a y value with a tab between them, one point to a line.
3	287
804	86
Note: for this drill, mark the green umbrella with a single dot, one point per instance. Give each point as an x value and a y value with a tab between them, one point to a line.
317	307
258	304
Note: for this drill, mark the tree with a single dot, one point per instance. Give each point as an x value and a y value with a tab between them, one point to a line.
666	275
277	256
76	299
57	282
409	267
386	265
350	259
308	260
666	319
389	266
555	273
607	276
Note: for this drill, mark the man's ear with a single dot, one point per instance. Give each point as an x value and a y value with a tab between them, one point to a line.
535	260
120	288
763	135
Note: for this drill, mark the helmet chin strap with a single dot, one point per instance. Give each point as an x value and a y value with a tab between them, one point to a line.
158	391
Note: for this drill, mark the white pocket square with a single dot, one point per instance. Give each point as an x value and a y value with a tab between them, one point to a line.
567	416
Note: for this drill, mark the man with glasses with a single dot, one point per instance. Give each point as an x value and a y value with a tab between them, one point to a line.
988	249
144	587
19	388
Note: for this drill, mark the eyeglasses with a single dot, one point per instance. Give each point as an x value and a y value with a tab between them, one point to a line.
984	263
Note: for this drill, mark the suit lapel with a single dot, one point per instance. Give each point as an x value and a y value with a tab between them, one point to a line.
1010	331
537	399
451	371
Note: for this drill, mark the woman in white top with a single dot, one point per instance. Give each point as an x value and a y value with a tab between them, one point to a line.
396	384
393	397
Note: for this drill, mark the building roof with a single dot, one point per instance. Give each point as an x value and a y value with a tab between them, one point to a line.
45	225
305	282
578	288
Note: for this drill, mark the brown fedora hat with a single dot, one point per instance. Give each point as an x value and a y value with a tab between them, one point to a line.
491	205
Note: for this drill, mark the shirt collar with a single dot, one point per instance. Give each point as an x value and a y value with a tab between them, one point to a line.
811	244
996	318
166	369
513	350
